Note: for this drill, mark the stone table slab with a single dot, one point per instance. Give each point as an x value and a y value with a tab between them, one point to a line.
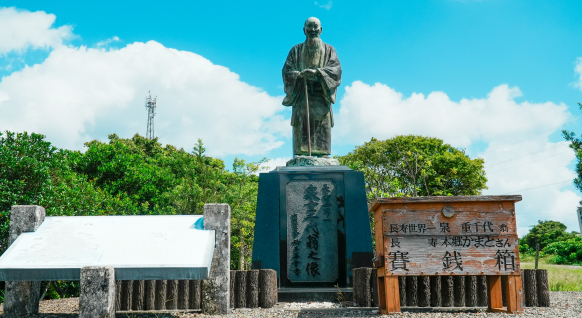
138	247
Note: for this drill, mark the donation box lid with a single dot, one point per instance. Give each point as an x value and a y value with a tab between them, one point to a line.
138	247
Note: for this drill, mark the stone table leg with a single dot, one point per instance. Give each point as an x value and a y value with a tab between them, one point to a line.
21	298
97	298
216	289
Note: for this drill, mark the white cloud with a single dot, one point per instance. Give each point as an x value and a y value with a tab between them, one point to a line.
578	69
514	161
23	29
326	6
78	94
277	162
382	112
108	41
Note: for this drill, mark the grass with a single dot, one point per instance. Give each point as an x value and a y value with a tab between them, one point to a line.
561	278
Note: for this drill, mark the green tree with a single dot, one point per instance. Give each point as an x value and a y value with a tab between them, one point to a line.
576	145
545	233
416	166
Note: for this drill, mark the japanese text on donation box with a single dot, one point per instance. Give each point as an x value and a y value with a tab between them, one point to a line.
312	231
429	243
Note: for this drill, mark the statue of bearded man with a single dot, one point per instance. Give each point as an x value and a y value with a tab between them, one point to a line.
311	66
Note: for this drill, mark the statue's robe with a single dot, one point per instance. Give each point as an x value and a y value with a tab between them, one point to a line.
321	93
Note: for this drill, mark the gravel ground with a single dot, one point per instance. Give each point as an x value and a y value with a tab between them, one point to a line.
564	304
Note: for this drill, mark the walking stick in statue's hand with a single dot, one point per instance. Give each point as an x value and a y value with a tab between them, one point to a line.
308	124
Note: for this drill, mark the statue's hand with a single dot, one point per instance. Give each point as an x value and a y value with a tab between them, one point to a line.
308	73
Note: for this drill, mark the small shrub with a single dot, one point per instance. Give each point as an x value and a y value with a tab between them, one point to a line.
565	252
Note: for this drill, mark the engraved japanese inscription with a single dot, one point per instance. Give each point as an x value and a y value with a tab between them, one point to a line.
467	242
312	242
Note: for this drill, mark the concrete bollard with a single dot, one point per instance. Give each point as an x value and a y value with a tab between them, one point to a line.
97	297
21	297
268	296
215	289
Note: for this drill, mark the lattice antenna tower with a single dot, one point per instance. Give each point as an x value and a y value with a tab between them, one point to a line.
150	105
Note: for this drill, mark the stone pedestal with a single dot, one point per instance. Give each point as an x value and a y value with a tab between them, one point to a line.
97	297
21	297
216	289
312	225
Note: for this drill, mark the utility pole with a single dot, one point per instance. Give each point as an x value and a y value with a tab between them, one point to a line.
150	104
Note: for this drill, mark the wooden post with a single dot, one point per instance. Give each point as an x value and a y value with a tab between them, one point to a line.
138	298
543	288
514	294
389	294
161	286
150	299
267	288
183	294
195	294
494	302
126	294
412	291
424	291
241	289
253	288
436	291
172	298
459	291
530	287
118	294
471	291
448	291
374	284
482	291
232	289
402	288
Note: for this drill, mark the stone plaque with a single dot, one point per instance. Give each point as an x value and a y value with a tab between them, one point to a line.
312	242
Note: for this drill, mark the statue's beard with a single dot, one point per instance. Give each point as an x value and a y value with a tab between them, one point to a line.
313	49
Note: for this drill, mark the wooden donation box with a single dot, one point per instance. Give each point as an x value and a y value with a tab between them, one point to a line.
457	235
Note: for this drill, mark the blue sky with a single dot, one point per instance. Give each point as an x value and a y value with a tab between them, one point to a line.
498	78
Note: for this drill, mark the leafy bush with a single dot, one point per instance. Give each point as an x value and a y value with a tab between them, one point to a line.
544	233
126	177
565	252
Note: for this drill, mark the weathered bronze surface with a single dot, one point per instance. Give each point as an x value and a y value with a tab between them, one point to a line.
311	66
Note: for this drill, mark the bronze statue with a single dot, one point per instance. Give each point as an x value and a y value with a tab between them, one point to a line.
311	75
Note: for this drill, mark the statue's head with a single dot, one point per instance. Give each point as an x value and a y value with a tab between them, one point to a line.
312	28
